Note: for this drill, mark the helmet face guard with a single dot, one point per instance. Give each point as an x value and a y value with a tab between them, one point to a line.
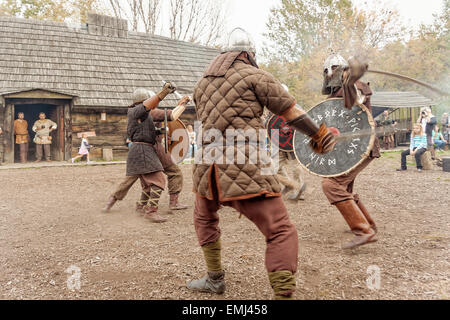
333	70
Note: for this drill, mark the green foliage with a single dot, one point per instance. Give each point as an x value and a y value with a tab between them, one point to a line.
55	10
304	32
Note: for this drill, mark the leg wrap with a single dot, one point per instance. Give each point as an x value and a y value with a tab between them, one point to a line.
144	199
212	254
283	284
154	195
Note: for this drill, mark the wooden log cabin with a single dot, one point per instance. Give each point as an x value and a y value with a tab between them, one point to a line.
83	77
403	107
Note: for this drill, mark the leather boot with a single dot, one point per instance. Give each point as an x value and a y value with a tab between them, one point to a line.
357	223
111	201
151	213
367	216
213	282
140	208
142	203
174	204
151	209
298	194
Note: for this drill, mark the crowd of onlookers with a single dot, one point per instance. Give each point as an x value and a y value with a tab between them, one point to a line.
427	135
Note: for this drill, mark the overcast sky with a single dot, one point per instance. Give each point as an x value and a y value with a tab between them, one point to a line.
253	14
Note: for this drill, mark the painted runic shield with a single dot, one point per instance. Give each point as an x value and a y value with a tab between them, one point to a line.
285	137
355	138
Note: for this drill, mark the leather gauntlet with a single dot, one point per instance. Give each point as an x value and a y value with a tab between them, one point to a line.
176	113
167	89
322	140
304	124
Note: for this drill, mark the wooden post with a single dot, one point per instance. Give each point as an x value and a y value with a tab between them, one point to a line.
108	154
9	133
67	131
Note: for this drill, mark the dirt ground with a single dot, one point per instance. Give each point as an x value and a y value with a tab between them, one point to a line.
51	219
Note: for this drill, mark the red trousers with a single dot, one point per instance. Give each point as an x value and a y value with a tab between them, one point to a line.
268	214
340	188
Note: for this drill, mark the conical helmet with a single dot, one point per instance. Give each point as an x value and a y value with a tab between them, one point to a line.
334	60
239	40
142	94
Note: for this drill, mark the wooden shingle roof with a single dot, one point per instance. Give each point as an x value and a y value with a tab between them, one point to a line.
407	99
100	71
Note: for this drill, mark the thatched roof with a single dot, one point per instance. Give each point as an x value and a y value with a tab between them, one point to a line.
99	68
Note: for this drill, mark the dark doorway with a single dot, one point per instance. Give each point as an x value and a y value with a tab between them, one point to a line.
31	114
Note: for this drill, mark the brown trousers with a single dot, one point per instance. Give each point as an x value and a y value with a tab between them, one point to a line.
23	152
340	188
174	177
268	214
388	142
152	179
39	152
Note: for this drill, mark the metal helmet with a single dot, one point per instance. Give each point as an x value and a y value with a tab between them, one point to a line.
334	60
240	40
285	87
333	69
142	94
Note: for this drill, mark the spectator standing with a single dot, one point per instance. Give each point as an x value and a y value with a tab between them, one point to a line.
445	126
192	144
43	127
428	121
22	137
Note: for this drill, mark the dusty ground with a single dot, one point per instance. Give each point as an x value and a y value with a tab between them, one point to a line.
50	220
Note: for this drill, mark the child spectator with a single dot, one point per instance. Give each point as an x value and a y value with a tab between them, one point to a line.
84	149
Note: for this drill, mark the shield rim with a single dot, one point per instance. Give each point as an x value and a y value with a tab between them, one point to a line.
172	145
270	139
364	156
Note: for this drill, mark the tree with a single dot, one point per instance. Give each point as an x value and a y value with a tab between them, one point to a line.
297	27
36	9
55	10
199	21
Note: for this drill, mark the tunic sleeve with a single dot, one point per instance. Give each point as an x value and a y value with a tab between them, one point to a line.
158	115
53	124
137	112
271	94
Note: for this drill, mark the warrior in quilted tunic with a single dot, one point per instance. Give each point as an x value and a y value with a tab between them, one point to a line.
341	80
232	95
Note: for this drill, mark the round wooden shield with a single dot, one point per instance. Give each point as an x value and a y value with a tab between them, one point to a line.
178	140
355	138
285	137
